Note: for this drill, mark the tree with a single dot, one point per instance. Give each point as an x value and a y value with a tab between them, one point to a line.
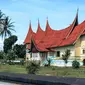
7	28
1	14
33	67
9	42
20	50
1	20
11	55
66	55
1	54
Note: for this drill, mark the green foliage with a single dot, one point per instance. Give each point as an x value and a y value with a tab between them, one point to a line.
7	27
84	62
53	68
75	64
1	14
1	20
11	56
66	55
9	42
49	62
20	50
1	54
2	57
33	67
21	62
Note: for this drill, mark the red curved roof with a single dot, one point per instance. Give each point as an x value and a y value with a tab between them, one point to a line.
77	32
29	35
83	33
39	34
45	40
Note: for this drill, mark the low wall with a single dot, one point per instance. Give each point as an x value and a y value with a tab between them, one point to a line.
40	80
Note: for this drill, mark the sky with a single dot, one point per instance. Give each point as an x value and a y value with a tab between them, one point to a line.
60	13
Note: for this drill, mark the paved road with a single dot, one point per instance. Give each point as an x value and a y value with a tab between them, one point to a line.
41	80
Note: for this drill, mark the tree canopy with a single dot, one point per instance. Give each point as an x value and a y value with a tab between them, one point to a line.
20	50
9	42
6	25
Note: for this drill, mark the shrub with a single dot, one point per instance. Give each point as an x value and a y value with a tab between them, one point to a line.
49	63
21	62
65	56
53	68
75	64
32	67
84	62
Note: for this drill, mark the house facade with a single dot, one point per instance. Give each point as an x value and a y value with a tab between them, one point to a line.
53	43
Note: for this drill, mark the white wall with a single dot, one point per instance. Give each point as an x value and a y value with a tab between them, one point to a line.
63	49
35	56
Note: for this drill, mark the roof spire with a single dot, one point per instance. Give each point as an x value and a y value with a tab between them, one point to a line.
38	23
75	23
76	18
47	23
30	27
38	28
29	34
77	10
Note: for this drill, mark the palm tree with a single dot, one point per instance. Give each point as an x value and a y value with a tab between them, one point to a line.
1	20
1	14
7	28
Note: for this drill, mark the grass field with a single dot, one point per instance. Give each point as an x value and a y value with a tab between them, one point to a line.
53	71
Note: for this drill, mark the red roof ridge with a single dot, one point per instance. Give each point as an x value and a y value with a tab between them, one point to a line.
80	32
33	41
47	24
39	27
75	23
29	34
48	30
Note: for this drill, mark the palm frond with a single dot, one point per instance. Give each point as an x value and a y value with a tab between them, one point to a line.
12	29
9	33
2	34
1	14
8	27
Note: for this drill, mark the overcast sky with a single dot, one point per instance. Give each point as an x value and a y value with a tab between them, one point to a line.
60	14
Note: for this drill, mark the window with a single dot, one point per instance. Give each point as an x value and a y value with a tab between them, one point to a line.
58	53
51	53
34	54
83	51
42	54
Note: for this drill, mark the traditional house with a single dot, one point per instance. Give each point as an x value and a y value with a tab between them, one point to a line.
53	43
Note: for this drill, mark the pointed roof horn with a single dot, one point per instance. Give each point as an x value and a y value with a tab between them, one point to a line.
39	27
74	24
29	34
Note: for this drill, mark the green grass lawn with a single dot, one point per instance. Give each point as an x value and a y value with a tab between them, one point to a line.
53	71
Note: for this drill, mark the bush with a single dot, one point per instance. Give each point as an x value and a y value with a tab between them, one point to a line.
33	67
75	64
84	62
53	68
49	63
21	62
